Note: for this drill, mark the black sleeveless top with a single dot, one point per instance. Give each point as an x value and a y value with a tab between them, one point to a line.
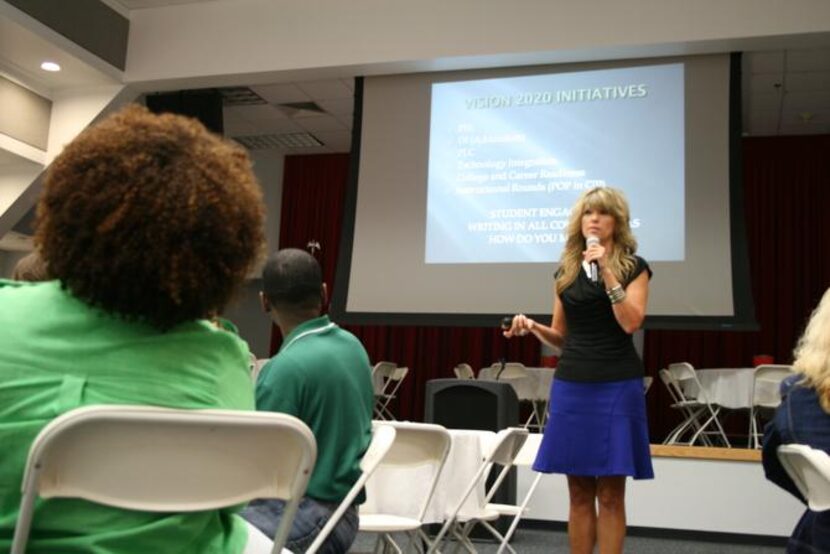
596	347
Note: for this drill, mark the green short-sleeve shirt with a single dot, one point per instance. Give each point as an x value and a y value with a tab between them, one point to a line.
321	375
57	353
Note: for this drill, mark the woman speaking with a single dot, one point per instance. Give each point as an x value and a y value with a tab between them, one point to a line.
597	431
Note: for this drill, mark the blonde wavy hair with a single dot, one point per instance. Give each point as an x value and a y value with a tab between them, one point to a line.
812	353
621	259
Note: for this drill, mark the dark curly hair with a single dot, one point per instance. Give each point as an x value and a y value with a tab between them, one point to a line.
151	217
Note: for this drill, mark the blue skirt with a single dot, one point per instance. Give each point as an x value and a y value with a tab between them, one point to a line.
596	429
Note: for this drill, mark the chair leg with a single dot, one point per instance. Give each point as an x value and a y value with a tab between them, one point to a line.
498	536
390	543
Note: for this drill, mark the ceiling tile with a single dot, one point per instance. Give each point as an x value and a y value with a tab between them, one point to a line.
764	62
808	60
763	118
809	101
765	82
808	81
326	90
763	101
259	113
320	123
285	125
281	93
236	126
338	106
339	140
345	120
761	130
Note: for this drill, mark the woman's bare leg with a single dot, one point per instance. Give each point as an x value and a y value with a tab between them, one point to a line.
582	520
611	519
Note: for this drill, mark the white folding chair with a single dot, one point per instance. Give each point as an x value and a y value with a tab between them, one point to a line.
701	414
768	377
382	438
388	379
810	471
416	445
166	460
511	370
525	458
647	381
503	451
689	410
464	371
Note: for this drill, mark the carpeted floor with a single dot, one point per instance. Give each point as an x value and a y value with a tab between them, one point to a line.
537	541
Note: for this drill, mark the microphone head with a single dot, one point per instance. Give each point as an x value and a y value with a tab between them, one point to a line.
507	322
590	240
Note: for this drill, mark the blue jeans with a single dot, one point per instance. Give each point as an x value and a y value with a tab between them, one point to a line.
312	516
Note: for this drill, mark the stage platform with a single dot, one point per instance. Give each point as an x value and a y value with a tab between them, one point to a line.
719	490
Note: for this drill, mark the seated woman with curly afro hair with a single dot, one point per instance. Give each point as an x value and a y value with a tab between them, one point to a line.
148	223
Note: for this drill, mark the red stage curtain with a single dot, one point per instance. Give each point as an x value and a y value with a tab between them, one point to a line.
786	189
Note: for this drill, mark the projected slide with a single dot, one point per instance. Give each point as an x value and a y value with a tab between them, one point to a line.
508	157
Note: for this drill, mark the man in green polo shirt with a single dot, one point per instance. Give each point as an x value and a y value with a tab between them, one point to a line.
322	376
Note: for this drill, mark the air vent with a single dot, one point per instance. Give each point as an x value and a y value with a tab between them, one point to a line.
300	109
286	141
240	96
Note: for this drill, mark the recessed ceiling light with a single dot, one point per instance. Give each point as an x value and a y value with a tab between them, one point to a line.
50	66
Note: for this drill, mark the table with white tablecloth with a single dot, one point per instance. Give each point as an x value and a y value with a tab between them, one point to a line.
730	387
400	491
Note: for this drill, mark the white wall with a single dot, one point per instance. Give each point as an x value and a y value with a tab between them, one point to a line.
74	110
14	179
247	41
245	310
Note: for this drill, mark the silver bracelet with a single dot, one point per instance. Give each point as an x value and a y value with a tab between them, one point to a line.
616	294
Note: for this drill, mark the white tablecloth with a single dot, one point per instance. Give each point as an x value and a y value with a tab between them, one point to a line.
536	386
730	387
400	491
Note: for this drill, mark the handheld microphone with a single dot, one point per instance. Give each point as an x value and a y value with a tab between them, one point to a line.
594	266
506	323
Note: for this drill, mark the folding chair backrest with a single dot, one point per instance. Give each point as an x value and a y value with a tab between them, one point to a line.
383	436
527	454
381	372
512	370
668	380
399	374
771	376
507	444
166	460
417	444
810	471
683	371
464	371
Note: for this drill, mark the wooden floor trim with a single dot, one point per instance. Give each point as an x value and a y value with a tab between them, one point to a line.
706	453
